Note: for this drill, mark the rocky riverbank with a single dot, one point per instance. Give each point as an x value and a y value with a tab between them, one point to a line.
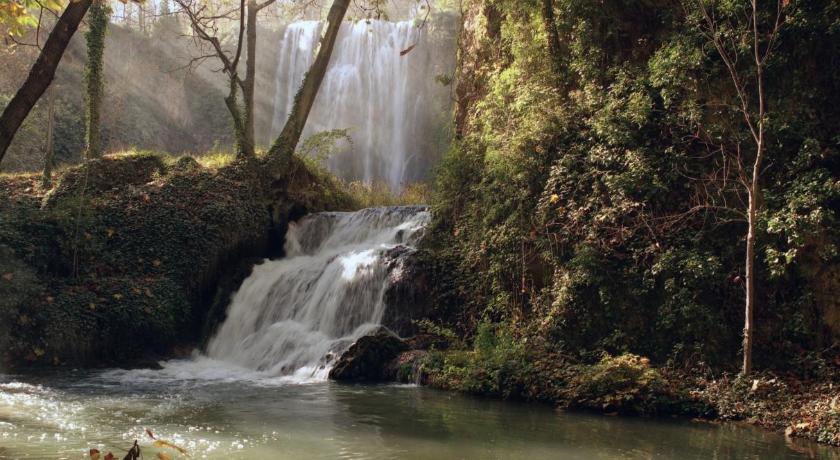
625	384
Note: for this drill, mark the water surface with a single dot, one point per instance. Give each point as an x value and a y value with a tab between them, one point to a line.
223	412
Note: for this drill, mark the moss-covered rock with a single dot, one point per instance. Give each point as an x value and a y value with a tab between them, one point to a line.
131	255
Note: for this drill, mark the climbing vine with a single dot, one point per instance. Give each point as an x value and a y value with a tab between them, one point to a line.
95	37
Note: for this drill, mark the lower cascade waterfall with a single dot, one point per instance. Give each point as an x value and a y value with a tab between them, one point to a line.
296	315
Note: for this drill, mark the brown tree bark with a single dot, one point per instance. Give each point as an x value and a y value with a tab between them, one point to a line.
41	74
552	37
249	82
280	154
49	150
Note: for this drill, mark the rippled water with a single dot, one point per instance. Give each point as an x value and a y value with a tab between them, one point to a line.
219	411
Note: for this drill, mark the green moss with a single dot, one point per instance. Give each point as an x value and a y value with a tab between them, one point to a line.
129	253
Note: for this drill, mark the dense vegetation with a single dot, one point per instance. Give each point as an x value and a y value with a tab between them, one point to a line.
589	218
593	204
130	255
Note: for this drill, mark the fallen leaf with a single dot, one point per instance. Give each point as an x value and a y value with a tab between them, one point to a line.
94	454
8	276
149	433
162	443
156	263
407	50
163	456
118	296
109	456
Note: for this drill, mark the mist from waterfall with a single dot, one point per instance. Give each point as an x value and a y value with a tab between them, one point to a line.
296	315
389	102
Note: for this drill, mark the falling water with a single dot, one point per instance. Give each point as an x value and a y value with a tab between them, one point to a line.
294	316
383	98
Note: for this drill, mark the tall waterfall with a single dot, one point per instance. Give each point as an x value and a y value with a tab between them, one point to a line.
294	316
386	100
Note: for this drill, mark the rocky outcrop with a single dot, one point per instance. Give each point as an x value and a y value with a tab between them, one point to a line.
367	359
129	256
408	295
381	356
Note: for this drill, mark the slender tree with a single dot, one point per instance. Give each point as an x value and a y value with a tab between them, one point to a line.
249	83
49	149
205	26
94	80
749	86
281	151
42	72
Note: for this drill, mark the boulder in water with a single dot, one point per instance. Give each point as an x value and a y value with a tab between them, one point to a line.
367	359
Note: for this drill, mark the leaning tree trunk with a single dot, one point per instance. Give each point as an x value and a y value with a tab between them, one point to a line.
281	152
42	72
95	36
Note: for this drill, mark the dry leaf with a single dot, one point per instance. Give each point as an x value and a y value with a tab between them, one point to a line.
94	454
163	456
8	276
407	50
149	433
161	443
109	456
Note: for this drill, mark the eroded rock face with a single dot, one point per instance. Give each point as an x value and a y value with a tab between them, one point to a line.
367	359
408	295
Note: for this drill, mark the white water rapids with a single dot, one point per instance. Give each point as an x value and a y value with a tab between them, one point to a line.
384	99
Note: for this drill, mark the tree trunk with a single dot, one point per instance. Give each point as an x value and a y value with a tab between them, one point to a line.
49	151
42	72
750	282
754	193
248	84
284	146
236	114
552	37
94	78
141	13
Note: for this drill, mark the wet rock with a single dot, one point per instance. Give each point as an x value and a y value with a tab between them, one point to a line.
407	367
408	295
367	359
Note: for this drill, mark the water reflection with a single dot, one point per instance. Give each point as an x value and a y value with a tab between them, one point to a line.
63	416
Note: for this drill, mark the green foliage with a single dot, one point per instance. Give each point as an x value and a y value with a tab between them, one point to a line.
94	80
622	383
16	16
130	268
599	214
